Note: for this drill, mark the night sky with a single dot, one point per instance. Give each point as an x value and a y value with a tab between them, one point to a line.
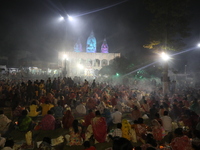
32	27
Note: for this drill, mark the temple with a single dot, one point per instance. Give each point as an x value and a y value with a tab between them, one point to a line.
91	44
104	47
86	62
78	46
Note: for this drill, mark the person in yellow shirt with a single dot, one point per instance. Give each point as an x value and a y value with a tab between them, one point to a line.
34	109
46	107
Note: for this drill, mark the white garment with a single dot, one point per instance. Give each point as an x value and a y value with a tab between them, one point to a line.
81	109
101	107
167	123
116	117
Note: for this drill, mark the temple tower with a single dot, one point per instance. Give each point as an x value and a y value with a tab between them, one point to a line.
91	44
104	47
78	46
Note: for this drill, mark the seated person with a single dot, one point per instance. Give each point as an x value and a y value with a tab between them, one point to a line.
150	142
80	109
25	123
181	141
48	121
75	134
196	140
8	145
46	107
46	144
117	132
58	110
67	119
99	128
88	118
4	122
33	109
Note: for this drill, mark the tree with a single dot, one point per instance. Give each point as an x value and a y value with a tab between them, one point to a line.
120	66
169	25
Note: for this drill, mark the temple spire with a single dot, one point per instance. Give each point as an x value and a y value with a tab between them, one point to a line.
104	46
91	43
78	46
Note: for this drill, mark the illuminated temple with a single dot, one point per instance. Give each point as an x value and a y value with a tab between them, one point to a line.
86	63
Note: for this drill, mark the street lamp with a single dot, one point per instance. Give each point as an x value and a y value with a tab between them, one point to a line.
198	44
70	18
65	65
61	18
165	78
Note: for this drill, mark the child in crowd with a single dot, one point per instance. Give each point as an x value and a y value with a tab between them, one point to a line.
117	132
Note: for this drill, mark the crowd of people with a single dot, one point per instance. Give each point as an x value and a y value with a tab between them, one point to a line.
126	114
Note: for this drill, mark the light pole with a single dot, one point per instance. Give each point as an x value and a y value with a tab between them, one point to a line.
65	65
186	73
165	78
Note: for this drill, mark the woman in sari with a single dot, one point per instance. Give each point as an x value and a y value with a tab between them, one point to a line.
68	119
140	129
126	127
136	113
157	130
75	134
99	128
48	121
181	141
25	122
88	118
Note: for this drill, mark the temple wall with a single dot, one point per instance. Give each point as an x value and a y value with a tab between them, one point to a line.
93	61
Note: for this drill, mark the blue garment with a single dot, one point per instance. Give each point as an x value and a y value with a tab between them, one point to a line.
107	115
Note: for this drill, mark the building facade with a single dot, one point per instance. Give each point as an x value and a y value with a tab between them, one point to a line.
88	62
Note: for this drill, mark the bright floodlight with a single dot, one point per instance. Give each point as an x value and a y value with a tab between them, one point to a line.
165	56
80	66
198	45
61	18
70	18
65	57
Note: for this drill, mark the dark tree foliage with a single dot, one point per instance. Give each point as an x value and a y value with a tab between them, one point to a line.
170	24
119	65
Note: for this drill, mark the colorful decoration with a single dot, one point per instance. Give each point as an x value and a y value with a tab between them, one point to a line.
104	47
78	46
91	44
